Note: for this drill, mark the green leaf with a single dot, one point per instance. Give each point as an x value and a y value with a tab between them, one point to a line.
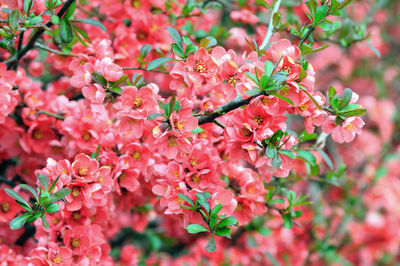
270	150
157	62
252	77
13	20
326	158
66	33
145	50
357	112
286	99
216	209
54	207
70	11
279	78
197	130
211	246
346	98
202	200
28	6
306	156
94	155
252	92
98	78
228	221
175	36
33	217
277	161
186	198
78	31
60	194
55	20
288	153
287	221
331	93
20	200
225	231
153	116
320	13
268	68
53	185
92	22
19	221
43	180
44	221
30	189
196	228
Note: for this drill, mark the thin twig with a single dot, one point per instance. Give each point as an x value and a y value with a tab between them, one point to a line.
270	30
46	48
10	63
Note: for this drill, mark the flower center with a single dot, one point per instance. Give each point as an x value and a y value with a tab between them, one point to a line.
245	132
75	192
76	216
82	171
122	176
37	134
86	136
75	242
233	79
179	124
194	162
137	103
57	259
136	155
303	107
200	67
5	206
258	119
195	179
171	141
349	127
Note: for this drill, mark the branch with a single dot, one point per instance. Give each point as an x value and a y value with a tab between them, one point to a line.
43	47
270	25
236	103
36	36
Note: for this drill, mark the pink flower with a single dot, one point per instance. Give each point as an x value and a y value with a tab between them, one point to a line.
84	168
108	69
183	121
344	132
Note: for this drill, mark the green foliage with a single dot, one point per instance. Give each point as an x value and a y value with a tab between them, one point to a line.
45	202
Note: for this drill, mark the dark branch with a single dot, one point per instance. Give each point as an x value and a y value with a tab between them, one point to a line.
236	103
36	36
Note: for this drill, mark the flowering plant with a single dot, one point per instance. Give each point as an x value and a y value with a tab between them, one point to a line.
182	132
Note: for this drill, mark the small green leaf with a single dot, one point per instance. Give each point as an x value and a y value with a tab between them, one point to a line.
216	209
270	150
211	246
175	36
202	200
60	194
55	20
28	6
268	68
197	130
54	207
19	221
357	112
288	153
196	228
145	50
158	62
228	221
92	22
13	20
277	161
253	92
33	217
306	156
98	78
20	200
70	11
94	155
225	231
44	221
331	93
66	33
30	189
286	99
153	116
287	221
326	158
43	180
346	98
320	14
186	198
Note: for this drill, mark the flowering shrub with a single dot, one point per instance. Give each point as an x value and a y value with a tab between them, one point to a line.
197	132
